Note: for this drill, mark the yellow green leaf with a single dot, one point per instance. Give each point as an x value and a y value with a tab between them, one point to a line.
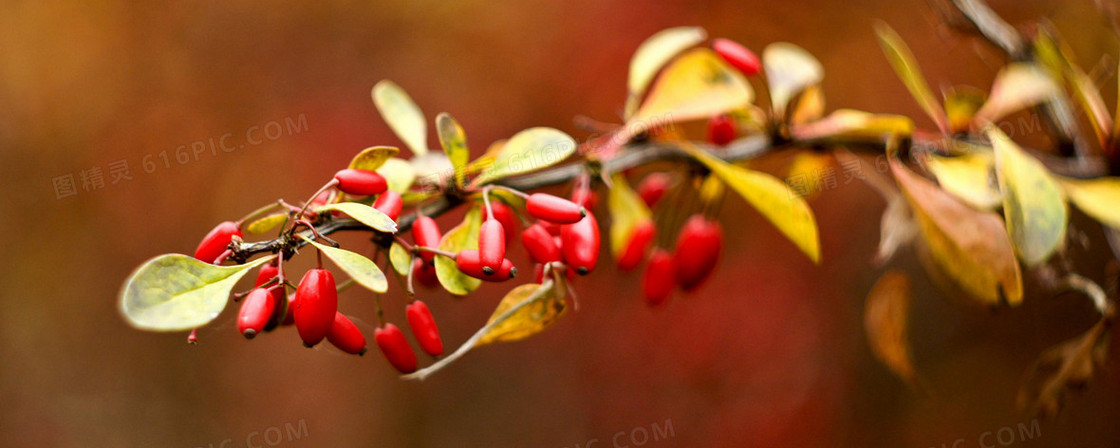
789	70
540	310
961	105
402	115
627	210
454	143
373	157
365	214
711	190
1018	86
398	173
400	258
1098	198
808	105
698	84
885	321
773	198
266	223
969	245
808	170
969	177
1033	207
463	236
363	270
854	125
529	150
174	292
906	66
652	54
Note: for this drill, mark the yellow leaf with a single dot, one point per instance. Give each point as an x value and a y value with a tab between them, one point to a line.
771	197
1018	86
908	71
854	125
885	321
400	259
711	190
652	54
698	84
807	172
402	115
627	210
373	158
969	245
543	308
1033	207
363	270
463	236
398	173
1098	198
528	150
454	142
969	177
961	104
266	223
809	105
789	70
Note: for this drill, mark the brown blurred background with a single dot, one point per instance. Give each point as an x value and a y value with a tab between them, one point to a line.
769	353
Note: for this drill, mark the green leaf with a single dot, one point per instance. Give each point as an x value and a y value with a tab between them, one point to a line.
174	292
627	211
542	307
266	223
904	64
652	54
400	258
789	70
969	245
1098	198
454	143
529	150
698	84
373	157
463	236
1018	86
363	270
402	115
969	177
398	173
365	214
1033	207
774	199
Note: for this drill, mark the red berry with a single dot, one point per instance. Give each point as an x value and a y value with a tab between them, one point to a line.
658	280
425	233
267	273
491	246
505	215
290	312
552	228
653	187
346	336
395	348
540	244
698	248
467	261
737	55
581	244
721	129
538	272
256	310
316	303
360	182
585	197
554	208
640	236
424	328
389	203
216	242
424	273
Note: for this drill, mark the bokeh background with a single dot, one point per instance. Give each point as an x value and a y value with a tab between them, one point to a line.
770	352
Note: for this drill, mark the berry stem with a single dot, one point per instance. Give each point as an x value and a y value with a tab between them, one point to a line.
258	212
333	183
486	202
435	251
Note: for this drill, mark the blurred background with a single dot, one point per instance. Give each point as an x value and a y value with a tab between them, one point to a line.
95	97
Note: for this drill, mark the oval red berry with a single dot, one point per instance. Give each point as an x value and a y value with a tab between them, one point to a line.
256	310
395	348
698	248
360	182
346	336
653	187
641	235
215	243
580	244
468	262
316	303
659	278
554	208
425	233
505	215
721	130
491	246
389	203
424	328
539	243
738	56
